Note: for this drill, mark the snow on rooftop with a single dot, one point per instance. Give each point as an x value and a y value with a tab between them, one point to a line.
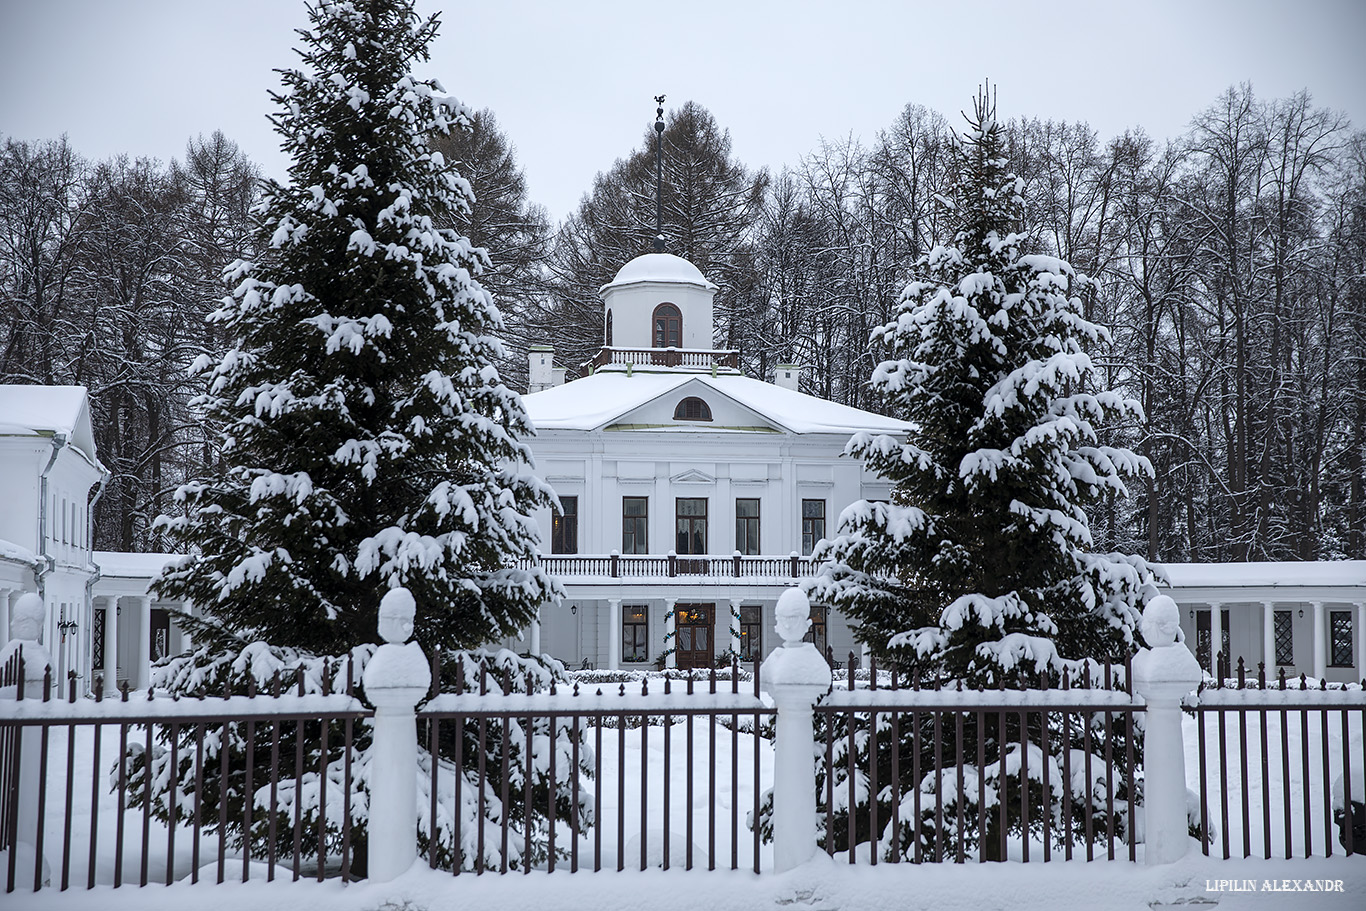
48	409
11	551
1267	574
659	267
598	400
114	564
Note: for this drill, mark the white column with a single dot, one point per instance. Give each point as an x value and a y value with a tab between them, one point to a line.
733	625
1361	641
1216	636
1320	643
1269	638
1162	677
142	674
671	632
111	644
535	637
5	595
613	634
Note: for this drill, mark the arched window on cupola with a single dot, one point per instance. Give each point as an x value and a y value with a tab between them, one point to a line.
692	409
608	332
668	323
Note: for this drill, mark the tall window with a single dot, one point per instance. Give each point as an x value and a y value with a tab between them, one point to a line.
747	526
608	330
751	633
564	527
1285	637
691	525
813	524
635	521
1340	637
668	323
635	639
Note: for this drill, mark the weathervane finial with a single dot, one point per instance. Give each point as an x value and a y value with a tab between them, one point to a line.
659	174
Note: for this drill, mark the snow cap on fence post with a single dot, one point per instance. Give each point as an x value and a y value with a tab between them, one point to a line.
26	625
1164	673
795	675
395	678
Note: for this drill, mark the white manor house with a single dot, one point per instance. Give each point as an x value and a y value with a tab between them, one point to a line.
691	498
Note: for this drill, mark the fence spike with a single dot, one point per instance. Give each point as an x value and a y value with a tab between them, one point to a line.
552	686
47	684
299	678
1108	684
123	691
351	674
872	671
227	687
623	690
644	686
960	684
506	682
99	688
71	685
1261	675
576	688
251	684
1303	683
1242	674
599	691
1281	674
712	677
666	686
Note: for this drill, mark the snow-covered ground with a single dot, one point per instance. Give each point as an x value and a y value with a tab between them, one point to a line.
823	884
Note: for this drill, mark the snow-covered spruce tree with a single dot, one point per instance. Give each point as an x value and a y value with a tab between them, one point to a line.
978	573
368	441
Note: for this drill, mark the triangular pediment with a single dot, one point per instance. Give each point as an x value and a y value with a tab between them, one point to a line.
692	476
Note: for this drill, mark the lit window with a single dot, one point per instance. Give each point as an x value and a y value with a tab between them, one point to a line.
635	640
751	633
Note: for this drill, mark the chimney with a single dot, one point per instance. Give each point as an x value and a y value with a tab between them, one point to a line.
788	376
542	374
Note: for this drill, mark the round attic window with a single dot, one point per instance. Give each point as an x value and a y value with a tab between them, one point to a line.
692	409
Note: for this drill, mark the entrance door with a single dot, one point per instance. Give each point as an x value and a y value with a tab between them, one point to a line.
1203	636
693	630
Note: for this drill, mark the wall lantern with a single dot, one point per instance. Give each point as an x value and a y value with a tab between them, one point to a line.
573	608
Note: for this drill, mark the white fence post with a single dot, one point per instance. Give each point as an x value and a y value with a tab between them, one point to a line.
795	675
395	678
1163	675
26	625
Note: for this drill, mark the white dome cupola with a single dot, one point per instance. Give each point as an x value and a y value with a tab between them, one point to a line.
658	300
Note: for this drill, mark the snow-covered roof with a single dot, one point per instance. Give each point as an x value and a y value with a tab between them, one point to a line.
48	409
596	401
118	565
11	551
659	267
1267	574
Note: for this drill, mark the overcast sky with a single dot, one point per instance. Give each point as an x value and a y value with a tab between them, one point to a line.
571	82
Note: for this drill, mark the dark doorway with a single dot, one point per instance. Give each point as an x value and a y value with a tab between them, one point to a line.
160	633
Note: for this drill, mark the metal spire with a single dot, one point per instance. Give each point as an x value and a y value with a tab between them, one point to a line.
659	174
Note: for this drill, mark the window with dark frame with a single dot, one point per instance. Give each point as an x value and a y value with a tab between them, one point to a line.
1340	637
564	527
747	526
751	633
691	525
813	524
635	522
668	327
607	330
692	409
635	634
1284	634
